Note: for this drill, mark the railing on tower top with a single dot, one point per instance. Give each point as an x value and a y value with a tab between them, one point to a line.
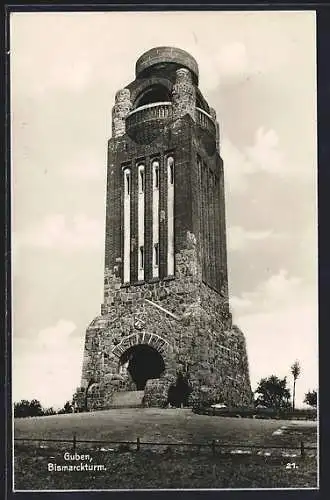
157	112
204	120
160	105
163	111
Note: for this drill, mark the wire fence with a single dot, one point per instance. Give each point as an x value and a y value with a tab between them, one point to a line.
214	445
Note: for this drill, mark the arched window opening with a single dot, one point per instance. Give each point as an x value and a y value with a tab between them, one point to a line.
141	178
127	182
156	254
170	164
155	217
155	166
126	224
170	216
155	93
141	182
141	257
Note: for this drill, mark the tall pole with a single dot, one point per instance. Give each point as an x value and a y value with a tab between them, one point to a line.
294	393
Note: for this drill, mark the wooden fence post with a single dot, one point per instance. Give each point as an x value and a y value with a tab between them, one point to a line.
74	442
137	444
302	449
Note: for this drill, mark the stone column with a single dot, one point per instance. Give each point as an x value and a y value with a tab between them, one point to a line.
120	110
183	94
216	123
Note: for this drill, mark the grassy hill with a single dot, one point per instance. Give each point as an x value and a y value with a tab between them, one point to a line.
149	424
162	467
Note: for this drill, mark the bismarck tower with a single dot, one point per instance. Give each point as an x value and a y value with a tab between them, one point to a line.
165	309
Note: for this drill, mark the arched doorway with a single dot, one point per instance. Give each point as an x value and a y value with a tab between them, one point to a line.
143	362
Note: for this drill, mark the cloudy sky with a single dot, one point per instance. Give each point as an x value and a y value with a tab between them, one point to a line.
258	70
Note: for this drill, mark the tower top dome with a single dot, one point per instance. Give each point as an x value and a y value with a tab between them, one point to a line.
165	55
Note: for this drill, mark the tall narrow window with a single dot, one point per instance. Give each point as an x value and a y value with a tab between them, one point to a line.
141	180
156	174
128	182
127	225
156	254
212	230
201	174
141	259
206	221
171	170
155	218
170	216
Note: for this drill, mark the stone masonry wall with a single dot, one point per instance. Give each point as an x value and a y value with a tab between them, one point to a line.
200	339
183	94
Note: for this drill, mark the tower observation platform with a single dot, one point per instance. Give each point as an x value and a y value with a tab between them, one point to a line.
159	57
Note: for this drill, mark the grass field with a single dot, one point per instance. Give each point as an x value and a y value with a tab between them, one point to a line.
163	467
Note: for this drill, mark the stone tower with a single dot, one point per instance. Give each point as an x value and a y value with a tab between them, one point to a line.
165	308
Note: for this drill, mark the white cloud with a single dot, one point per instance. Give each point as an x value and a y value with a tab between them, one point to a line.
238	166
239	238
48	367
71	50
229	61
56	232
280	322
278	292
235	61
265	154
276	339
240	303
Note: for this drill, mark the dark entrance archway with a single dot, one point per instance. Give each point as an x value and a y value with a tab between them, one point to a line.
143	363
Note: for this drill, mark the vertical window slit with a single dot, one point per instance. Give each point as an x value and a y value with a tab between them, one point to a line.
170	215
141	257
156	254
128	183
127	231
141	180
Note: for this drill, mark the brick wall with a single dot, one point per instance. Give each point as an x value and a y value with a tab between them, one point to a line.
199	202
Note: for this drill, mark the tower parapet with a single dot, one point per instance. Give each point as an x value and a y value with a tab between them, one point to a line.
165	89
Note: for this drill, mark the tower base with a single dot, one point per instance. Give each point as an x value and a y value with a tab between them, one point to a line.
149	334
